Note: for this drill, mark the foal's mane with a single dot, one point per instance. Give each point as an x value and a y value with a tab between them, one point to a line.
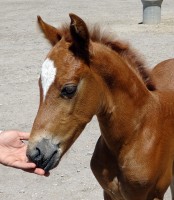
124	49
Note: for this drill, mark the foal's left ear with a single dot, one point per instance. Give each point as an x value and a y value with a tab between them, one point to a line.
80	37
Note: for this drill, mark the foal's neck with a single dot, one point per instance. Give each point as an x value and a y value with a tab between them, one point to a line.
118	74
124	99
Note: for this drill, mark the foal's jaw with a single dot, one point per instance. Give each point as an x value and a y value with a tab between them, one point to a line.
46	149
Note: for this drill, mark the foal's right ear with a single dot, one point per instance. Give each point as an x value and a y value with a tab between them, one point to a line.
51	33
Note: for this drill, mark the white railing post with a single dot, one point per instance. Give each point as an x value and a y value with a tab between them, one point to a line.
151	11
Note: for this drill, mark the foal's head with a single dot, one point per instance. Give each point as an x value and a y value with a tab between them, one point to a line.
74	83
69	95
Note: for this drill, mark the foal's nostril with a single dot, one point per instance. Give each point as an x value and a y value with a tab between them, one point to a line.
38	151
38	155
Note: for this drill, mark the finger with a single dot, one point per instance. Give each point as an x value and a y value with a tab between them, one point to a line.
24	135
24	165
39	171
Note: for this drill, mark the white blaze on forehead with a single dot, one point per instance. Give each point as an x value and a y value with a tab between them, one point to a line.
48	74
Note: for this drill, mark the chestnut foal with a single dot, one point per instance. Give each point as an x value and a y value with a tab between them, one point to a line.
87	73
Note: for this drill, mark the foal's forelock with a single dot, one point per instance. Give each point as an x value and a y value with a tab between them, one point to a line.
48	73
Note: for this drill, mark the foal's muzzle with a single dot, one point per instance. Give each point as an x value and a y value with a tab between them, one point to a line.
45	154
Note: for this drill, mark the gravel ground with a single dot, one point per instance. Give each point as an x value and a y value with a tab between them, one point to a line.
22	51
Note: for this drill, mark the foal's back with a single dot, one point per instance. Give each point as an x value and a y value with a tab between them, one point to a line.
163	75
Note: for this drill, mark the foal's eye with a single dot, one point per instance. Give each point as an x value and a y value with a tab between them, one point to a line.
68	91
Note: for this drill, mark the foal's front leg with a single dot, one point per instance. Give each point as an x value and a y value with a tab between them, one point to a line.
172	188
104	167
172	185
107	196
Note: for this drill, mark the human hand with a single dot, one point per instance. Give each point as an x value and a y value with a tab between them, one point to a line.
13	151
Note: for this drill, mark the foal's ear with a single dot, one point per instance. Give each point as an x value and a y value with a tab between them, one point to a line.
80	37
51	33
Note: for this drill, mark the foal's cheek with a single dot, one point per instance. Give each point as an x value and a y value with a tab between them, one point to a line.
88	98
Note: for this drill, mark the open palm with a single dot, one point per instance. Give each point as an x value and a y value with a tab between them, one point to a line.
13	151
